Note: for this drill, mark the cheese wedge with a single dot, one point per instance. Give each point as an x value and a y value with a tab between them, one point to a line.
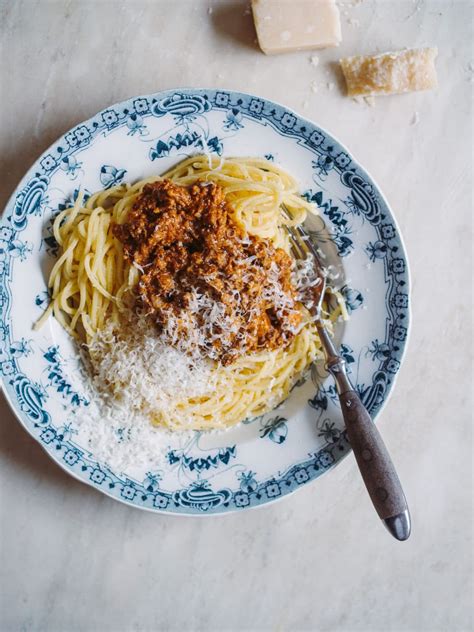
288	25
390	73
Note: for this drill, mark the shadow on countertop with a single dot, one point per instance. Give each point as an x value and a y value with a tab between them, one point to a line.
233	21
29	144
15	161
17	446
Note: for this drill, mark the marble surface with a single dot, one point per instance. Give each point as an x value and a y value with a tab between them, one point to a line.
72	559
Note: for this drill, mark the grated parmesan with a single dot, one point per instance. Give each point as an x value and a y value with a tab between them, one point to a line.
135	378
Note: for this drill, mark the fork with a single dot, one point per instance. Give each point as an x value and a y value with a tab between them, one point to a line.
373	459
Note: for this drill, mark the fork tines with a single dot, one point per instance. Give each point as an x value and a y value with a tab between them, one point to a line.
301	244
300	241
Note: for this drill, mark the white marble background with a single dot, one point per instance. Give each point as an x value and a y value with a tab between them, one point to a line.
72	559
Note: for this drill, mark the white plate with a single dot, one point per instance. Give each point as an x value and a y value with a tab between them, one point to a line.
257	462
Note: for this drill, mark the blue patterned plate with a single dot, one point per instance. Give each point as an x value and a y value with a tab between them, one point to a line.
257	462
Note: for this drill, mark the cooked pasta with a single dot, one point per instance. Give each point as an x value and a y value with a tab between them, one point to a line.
92	289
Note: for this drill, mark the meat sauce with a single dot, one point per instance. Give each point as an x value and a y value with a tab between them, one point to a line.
201	271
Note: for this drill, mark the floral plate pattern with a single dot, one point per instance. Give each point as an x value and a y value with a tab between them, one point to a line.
262	459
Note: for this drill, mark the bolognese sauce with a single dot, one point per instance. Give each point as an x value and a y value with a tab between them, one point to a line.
203	279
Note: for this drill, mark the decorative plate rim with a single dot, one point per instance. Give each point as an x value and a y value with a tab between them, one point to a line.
408	309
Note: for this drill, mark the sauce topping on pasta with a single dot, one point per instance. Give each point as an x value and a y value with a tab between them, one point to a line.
209	286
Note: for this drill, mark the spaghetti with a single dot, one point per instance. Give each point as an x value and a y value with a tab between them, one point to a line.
93	290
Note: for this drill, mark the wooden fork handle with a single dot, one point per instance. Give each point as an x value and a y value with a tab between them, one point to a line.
376	466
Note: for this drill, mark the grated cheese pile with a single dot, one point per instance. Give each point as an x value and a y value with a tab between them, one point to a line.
139	359
134	378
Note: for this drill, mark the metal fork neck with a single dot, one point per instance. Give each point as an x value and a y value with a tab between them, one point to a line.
337	367
335	364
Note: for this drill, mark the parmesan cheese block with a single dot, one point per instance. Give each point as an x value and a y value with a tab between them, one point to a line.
288	25
390	73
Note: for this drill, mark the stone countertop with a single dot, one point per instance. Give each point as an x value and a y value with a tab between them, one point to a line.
72	559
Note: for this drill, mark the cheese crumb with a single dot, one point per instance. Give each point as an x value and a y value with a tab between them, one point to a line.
415	119
353	22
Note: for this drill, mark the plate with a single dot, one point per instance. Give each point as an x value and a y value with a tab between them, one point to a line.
270	457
